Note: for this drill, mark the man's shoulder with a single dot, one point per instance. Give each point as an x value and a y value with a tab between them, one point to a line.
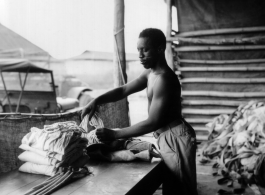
145	73
169	77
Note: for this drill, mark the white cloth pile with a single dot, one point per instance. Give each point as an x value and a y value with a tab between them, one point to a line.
236	142
54	146
95	122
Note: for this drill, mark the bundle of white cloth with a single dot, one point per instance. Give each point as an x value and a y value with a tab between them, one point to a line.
54	146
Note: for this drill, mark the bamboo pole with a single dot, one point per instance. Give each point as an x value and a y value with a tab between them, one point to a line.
247	61
200	128
198	120
212	102
225	94
207	111
222	31
218	48
169	53
224	80
220	41
222	69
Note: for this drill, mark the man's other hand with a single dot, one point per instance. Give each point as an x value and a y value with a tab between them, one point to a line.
89	109
104	134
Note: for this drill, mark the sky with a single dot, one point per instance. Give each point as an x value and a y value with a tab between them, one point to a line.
67	28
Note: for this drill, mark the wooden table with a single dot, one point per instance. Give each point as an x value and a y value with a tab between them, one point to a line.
106	178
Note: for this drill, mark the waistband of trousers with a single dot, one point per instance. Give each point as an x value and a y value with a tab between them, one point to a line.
167	127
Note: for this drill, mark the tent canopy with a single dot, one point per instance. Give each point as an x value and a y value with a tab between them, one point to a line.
20	65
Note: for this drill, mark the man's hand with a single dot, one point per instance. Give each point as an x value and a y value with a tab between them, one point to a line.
90	109
104	134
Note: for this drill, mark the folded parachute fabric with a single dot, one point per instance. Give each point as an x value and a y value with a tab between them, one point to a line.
29	167
32	157
117	150
122	150
237	142
56	145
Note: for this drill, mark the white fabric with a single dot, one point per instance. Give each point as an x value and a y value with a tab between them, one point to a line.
91	137
37	151
29	167
84	124
53	138
32	157
95	122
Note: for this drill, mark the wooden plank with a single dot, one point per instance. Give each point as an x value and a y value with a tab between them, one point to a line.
14	181
222	69
207	111
149	183
106	178
248	61
221	31
218	48
223	80
223	94
213	102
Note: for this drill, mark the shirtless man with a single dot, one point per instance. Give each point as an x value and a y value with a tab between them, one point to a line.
175	137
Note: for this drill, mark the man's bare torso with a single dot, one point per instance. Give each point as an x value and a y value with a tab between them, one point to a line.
174	110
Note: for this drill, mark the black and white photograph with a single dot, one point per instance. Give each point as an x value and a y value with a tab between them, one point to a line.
132	97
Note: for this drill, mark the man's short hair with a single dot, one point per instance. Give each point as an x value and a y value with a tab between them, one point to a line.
156	36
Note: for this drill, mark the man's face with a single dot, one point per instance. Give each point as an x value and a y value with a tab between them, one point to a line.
147	52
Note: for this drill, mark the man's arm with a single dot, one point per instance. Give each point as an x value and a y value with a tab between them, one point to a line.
157	118
119	93
116	94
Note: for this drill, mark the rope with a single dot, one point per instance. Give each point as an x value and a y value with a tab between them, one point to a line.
117	32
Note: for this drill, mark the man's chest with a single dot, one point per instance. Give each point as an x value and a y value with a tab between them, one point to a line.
150	86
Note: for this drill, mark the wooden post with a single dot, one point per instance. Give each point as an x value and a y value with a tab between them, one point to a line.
120	77
169	54
119	110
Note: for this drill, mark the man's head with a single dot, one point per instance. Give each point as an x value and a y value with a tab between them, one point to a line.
156	37
151	46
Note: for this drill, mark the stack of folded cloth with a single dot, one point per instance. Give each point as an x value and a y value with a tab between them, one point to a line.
54	146
116	150
62	144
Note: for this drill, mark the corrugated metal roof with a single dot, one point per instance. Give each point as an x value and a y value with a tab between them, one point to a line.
10	40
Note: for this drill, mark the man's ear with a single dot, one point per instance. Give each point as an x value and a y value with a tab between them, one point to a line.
160	49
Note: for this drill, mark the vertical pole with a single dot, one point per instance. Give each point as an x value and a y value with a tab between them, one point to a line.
22	89
119	44
7	96
120	77
169	54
